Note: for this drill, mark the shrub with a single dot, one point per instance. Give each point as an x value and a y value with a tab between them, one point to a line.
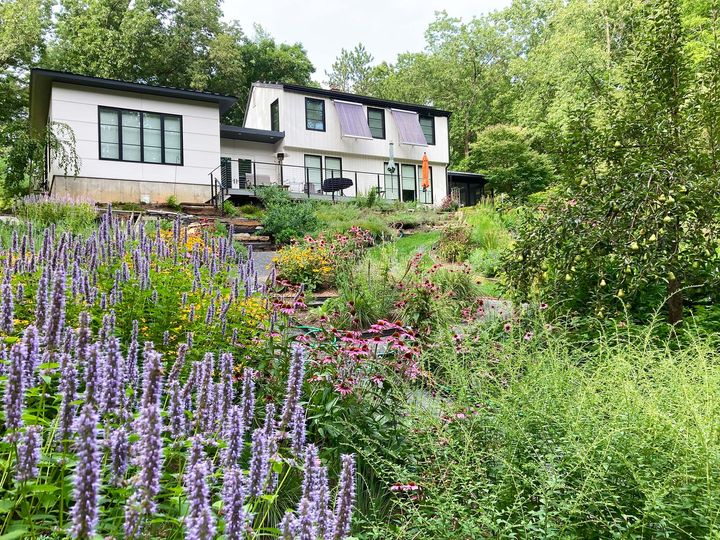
454	244
287	221
272	196
250	210
229	209
448	204
173	203
74	214
486	261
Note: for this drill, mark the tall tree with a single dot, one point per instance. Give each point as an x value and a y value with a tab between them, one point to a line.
637	224
351	70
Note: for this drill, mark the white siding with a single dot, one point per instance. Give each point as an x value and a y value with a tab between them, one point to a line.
77	107
363	155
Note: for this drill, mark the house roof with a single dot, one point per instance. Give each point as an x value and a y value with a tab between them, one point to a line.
250	134
41	81
467	176
356	98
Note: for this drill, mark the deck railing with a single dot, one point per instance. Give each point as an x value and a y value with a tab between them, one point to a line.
239	174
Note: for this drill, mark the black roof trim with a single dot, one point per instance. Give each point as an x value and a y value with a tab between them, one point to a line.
465	175
41	80
365	100
250	134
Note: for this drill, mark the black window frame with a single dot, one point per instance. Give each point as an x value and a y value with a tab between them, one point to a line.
422	117
275	115
382	112
324	117
325	158
431	188
119	112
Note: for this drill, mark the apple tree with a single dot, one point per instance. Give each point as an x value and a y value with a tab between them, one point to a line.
635	226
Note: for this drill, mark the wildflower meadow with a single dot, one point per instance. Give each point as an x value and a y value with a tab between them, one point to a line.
135	403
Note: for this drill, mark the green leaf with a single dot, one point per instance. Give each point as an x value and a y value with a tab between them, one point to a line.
17	533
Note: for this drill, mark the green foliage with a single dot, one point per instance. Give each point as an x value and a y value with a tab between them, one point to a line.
504	154
249	210
454	245
74	215
636	225
272	196
173	204
288	221
530	437
230	210
351	70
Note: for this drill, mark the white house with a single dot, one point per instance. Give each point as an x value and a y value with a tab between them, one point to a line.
144	143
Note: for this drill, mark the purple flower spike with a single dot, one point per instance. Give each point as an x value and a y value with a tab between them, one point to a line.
87	476
56	318
306	529
288	526
148	457
234	434
345	498
28	454
259	463
7	308
200	520
114	388
119	448
68	393
14	398
248	398
31	340
226	374
176	417
233	496
294	385
297	435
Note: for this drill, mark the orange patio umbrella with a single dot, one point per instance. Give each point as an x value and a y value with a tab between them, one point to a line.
425	172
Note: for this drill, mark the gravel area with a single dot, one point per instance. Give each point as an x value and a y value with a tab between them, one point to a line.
263	263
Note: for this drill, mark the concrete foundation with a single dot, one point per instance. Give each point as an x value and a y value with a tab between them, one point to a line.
105	190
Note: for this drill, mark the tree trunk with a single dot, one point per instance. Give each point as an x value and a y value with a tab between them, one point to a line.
675	303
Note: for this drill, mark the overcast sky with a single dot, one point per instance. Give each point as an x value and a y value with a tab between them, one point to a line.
385	27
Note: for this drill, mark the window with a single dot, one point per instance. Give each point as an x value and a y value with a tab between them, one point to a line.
315	114
313	173
425	196
333	167
140	136
427	123
275	115
392	183
376	122
409	179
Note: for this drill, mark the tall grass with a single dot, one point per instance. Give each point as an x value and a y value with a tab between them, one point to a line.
74	214
538	439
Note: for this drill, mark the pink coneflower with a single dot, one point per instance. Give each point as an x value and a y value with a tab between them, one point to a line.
378	380
528	336
343	388
507	327
543	306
